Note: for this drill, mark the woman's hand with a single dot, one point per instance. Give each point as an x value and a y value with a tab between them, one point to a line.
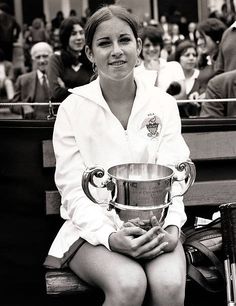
138	243
61	83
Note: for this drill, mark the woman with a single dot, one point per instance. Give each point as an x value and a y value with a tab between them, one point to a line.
155	69
104	123
70	67
186	55
209	34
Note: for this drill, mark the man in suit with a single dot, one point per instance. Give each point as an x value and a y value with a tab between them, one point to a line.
220	87
33	86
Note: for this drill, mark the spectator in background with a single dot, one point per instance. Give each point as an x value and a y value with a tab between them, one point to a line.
37	32
6	78
220	87
154	69
186	55
209	34
226	60
72	13
9	31
175	34
165	26
168	49
33	86
56	22
191	34
70	67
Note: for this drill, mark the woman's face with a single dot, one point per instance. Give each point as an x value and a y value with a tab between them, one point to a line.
114	49
150	51
188	59
77	39
206	44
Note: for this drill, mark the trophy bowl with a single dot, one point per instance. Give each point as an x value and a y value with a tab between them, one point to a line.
139	190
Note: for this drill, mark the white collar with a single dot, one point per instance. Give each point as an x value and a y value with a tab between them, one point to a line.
93	92
40	74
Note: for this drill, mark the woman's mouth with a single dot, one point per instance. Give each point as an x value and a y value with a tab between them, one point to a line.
117	63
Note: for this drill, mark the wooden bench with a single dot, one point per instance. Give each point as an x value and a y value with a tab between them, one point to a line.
213	150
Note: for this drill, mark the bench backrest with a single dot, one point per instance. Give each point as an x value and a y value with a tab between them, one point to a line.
214	154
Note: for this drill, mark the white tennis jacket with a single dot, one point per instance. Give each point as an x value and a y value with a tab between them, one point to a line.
86	133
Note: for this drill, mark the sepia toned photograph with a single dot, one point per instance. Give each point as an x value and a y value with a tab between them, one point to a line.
118	152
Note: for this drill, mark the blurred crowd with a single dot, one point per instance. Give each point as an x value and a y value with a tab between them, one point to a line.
189	60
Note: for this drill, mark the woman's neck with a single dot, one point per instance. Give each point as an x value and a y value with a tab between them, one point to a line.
188	73
118	91
74	53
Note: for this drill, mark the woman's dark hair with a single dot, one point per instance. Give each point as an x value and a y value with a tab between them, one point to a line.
212	27
182	47
66	29
106	13
154	34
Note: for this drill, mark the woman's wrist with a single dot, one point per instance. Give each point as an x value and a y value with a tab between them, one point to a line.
111	241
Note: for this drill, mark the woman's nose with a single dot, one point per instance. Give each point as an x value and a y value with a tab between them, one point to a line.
151	48
116	51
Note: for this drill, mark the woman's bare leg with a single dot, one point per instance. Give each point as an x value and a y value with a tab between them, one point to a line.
166	276
122	279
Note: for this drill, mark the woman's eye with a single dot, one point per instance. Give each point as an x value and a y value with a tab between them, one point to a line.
103	43
125	39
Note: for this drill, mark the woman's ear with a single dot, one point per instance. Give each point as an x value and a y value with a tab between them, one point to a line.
89	54
139	46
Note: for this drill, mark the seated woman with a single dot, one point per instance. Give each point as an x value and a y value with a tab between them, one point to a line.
69	67
106	123
209	34
186	55
153	68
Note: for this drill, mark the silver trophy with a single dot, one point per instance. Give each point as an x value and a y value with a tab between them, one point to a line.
139	190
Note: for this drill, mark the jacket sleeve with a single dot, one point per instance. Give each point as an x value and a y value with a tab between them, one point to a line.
55	71
214	90
90	219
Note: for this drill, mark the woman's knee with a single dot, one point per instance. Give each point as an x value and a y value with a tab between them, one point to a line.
129	288
169	288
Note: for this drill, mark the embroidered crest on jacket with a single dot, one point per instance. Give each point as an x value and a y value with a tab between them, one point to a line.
153	125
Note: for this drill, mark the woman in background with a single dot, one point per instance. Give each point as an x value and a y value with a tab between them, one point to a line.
153	68
186	54
69	67
209	34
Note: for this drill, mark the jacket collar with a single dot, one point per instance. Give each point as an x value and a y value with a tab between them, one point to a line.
93	92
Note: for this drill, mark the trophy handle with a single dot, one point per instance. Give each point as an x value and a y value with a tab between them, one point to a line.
190	175
88	178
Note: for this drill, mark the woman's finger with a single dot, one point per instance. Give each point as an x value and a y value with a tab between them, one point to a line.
156	251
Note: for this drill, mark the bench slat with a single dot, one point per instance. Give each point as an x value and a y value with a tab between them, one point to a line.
49	160
53	202
203	146
64	282
211	145
210	193
61	282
